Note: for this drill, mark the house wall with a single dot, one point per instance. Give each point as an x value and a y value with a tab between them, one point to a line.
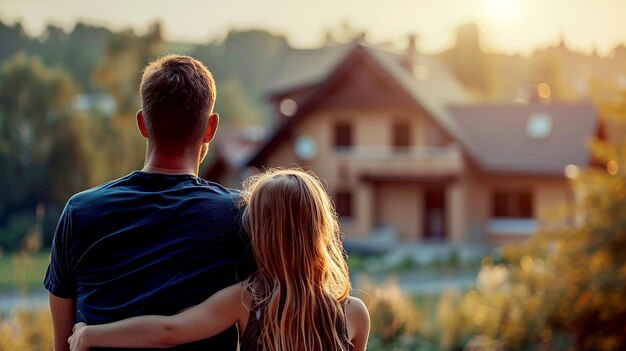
476	206
402	206
550	196
456	216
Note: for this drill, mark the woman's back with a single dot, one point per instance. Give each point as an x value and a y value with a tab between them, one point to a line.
252	338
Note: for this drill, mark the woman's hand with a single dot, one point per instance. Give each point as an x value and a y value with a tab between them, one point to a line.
77	339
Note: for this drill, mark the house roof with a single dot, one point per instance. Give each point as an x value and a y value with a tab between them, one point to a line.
503	138
236	145
494	136
297	68
310	68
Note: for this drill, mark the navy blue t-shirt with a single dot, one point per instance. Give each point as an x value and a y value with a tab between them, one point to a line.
149	243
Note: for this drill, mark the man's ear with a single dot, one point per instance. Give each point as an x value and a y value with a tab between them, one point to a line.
211	128
141	124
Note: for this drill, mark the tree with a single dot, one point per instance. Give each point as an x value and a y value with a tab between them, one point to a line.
241	65
34	112
120	75
589	261
469	62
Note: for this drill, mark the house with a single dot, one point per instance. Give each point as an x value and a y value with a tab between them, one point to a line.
232	148
404	148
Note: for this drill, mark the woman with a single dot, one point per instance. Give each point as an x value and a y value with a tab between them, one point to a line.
298	299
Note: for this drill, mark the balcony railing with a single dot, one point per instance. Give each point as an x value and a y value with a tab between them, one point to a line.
389	160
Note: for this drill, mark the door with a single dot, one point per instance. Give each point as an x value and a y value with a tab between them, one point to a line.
434	214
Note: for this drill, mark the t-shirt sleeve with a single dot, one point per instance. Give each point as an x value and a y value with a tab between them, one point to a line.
59	279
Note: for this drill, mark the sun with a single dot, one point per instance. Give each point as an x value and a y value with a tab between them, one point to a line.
504	12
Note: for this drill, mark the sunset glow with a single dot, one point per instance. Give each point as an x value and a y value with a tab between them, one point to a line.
504	12
509	26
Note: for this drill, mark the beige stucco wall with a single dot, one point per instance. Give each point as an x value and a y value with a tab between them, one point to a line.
477	207
456	217
402	206
550	196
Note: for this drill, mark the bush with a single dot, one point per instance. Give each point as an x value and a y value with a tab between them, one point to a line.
26	331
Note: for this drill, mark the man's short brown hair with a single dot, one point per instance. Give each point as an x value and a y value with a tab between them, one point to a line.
177	97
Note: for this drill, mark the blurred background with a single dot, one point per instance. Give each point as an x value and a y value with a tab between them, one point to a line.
474	149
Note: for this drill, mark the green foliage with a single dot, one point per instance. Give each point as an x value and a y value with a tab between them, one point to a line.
18	224
77	52
36	123
23	271
241	65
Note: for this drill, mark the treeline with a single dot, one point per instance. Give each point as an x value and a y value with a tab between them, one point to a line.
52	147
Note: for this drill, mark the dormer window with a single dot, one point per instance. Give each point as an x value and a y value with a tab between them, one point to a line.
539	125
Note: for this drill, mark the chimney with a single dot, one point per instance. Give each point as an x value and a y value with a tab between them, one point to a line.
360	38
410	56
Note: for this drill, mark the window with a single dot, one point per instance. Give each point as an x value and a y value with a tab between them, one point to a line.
512	204
343	135
401	135
344	203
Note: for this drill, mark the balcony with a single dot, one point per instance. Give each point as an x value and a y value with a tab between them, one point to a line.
389	161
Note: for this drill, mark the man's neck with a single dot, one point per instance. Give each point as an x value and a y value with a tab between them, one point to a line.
170	164
168	170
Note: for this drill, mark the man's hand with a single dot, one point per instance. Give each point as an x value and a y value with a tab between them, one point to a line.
77	339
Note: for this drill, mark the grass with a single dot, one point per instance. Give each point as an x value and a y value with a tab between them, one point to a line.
23	272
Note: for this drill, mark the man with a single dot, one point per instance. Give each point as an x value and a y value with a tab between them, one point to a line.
157	240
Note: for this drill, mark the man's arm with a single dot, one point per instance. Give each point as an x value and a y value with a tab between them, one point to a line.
216	314
62	320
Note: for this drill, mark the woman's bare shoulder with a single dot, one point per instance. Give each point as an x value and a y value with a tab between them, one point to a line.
356	310
358	319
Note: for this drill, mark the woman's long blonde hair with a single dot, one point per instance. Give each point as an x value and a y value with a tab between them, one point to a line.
302	278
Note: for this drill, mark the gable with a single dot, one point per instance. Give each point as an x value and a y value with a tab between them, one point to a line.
365	81
363	85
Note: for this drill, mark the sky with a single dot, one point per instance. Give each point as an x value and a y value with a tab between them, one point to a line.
507	26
